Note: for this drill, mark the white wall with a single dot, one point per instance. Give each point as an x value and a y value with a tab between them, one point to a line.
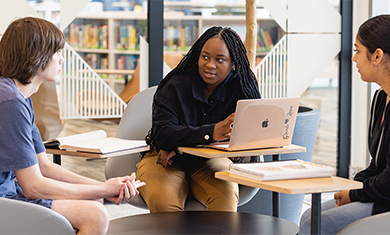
360	100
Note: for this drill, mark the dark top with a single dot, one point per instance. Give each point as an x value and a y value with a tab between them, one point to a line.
182	114
376	177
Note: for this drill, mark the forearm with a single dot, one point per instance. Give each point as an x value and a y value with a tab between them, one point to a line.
59	173
375	189
47	188
56	172
35	185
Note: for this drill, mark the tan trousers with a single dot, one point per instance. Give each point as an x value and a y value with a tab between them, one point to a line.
167	188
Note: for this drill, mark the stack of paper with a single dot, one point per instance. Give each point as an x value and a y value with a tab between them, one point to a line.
280	170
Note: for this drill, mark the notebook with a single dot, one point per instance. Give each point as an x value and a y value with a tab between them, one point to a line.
262	123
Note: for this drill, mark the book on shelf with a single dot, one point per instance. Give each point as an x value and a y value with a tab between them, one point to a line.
264	39
87	36
95	142
127	37
280	170
269	40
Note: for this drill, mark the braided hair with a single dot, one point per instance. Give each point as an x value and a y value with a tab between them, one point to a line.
237	51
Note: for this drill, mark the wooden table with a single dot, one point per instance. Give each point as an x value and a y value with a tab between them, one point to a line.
215	153
201	222
315	186
57	153
275	152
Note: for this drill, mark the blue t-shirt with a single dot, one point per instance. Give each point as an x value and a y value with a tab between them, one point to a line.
20	140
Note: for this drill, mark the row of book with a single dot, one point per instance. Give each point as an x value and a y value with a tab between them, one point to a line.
96	61
126	62
179	38
87	36
127	38
264	41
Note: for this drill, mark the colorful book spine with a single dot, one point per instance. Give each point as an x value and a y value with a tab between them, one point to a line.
105	36
269	40
183	39
263	38
133	38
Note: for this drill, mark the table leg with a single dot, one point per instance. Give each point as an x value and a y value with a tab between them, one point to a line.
57	159
316	213
275	195
275	204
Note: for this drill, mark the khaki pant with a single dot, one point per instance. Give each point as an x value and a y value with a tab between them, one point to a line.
167	188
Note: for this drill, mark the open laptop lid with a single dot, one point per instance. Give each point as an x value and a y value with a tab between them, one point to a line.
263	123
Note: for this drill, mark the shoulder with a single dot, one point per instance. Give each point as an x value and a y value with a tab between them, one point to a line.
8	90
178	82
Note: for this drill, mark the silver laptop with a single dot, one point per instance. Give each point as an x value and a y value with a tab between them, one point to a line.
262	123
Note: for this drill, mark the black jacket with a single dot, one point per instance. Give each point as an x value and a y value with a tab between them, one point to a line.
182	114
376	177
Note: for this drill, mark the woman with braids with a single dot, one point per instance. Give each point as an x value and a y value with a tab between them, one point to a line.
372	58
195	104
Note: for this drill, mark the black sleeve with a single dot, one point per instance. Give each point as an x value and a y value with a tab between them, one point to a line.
375	182
168	134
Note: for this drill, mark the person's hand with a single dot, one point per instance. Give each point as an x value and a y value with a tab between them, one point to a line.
128	188
342	198
164	157
223	129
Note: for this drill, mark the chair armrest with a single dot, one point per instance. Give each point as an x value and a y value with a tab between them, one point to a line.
376	224
17	217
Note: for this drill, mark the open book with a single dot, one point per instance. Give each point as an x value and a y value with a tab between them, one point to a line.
280	170
95	142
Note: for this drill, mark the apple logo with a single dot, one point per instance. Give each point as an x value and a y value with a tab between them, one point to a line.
265	123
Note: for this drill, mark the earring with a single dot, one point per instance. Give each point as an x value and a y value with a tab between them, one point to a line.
374	62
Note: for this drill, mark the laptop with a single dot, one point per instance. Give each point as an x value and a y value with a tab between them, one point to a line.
262	123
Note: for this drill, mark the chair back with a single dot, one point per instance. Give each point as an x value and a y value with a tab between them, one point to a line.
134	124
137	118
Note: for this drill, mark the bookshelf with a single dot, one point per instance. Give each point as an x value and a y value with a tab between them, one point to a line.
109	41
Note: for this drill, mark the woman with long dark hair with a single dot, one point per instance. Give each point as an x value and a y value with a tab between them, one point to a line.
195	104
372	59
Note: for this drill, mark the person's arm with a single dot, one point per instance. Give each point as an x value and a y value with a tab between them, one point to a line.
35	185
375	187
366	173
56	172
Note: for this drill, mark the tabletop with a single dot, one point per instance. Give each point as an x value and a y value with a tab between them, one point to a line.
96	155
201	222
295	186
216	153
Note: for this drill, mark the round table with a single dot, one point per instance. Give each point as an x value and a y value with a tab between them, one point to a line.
201	222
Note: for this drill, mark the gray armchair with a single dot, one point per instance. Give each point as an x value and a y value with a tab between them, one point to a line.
376	224
17	217
135	124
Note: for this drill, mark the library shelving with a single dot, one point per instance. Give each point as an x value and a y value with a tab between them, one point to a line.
109	41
